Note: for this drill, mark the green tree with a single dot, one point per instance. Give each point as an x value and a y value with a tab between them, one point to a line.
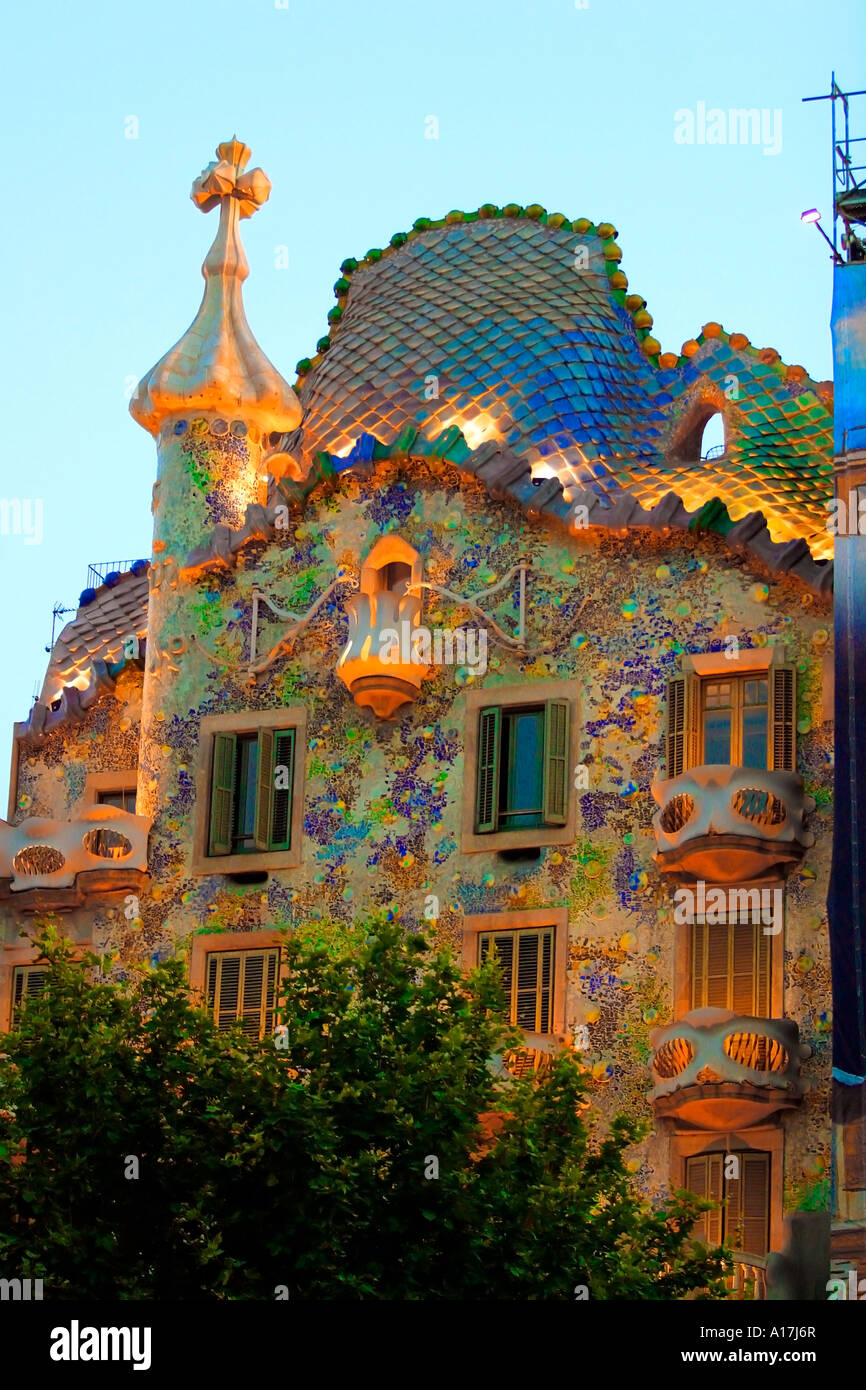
353	1164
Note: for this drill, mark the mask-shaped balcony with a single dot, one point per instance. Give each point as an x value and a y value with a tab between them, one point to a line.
52	865
728	824
378	664
717	1070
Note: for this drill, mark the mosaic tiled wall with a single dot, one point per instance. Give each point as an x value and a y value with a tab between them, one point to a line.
383	801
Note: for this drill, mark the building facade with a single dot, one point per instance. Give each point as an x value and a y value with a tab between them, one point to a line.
467	627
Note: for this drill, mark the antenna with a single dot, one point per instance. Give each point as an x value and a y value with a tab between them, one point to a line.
849	177
58	611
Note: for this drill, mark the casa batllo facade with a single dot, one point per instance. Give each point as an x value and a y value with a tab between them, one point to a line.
464	628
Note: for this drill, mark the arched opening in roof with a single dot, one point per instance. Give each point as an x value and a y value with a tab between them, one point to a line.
713	437
702	436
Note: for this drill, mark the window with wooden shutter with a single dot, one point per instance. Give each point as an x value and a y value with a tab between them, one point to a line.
487	780
731	966
747	1213
241	987
783	718
742	1218
683	724
556	762
28	981
704	1177
522	774
222	797
525	959
283	779
251	792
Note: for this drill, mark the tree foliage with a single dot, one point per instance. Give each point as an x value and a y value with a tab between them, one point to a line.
313	1168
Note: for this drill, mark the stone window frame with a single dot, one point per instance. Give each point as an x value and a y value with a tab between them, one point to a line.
506	696
683	954
762	1138
13	956
526	919
204	944
121	781
247	722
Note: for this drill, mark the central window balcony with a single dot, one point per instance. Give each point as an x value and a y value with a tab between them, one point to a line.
727	824
717	1070
98	856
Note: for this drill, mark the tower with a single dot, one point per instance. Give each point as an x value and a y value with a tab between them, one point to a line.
211	403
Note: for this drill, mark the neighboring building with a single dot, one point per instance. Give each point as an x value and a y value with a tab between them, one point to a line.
623	776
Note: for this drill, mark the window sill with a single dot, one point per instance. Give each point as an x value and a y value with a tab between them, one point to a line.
269	862
536	837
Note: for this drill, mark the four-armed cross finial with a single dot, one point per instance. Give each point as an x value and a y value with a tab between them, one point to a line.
224	178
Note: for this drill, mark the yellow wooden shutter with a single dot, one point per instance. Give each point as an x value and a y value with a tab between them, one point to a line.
704	1176
718	966
502	943
783	705
241	985
555	800
699	966
744	948
222	794
748	1209
676	711
28	981
683	723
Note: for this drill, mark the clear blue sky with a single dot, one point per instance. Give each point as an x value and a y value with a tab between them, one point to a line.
536	102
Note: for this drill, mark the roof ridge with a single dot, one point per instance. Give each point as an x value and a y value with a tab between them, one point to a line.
534	212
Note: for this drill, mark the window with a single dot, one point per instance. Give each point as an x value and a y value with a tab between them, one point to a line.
27	982
522	771
743	1220
241	986
734	721
123	799
525	959
251	792
744	720
730	966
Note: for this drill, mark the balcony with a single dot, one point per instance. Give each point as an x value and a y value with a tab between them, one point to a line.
98	856
379	664
748	1278
716	1070
728	824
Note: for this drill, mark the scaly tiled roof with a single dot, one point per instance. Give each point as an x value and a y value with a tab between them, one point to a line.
97	632
515	326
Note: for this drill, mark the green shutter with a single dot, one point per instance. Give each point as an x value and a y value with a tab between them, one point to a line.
264	789
782	718
555	799
487	776
281	800
222	795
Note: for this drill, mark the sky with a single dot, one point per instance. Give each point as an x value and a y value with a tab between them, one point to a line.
111	111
